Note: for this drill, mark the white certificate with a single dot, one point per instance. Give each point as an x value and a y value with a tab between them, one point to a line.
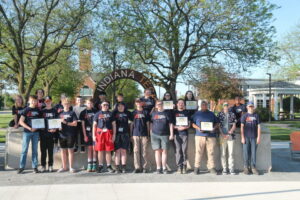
54	123
168	105
207	126
38	123
182	121
191	105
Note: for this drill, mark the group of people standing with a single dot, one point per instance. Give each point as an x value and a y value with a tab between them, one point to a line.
105	128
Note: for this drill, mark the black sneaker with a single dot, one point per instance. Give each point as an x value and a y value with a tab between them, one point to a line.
100	168
110	169
20	171
136	171
35	170
165	171
76	149
158	171
196	171
82	149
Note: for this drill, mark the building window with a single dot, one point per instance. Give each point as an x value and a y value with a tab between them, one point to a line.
259	103
86	91
267	103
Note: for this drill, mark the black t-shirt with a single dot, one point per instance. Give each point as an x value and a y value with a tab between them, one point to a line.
183	113
29	114
104	119
251	122
88	116
60	108
122	121
149	103
238	111
70	117
17	111
160	123
49	114
140	119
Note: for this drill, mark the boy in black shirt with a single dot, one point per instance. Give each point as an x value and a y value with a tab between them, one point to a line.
47	136
86	117
140	128
30	134
148	101
67	135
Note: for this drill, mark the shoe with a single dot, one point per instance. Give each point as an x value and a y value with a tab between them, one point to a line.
62	170
225	172
136	171
100	168
196	171
82	150
123	169
89	168
246	171
20	171
145	171
50	168
232	172
110	169
255	171
36	171
184	170
94	167
118	170
213	171
76	149
179	170
43	169
72	170
165	171
158	171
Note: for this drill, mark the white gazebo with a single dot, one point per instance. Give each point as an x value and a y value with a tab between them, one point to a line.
279	89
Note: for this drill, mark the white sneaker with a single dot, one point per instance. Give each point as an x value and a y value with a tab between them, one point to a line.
232	172
72	170
61	170
43	169
50	169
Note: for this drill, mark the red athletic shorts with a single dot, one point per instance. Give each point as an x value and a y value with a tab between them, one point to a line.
104	140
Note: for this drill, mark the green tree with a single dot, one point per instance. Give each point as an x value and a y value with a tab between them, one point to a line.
216	83
34	32
171	36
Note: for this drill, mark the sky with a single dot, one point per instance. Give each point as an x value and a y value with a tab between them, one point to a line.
285	18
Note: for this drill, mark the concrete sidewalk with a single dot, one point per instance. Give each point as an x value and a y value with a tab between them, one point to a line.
157	191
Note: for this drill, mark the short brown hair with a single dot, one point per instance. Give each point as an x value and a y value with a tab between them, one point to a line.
33	97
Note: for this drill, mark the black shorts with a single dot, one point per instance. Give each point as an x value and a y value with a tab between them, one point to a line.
90	141
122	141
67	142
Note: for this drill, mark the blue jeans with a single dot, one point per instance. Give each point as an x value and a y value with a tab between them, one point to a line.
34	137
249	150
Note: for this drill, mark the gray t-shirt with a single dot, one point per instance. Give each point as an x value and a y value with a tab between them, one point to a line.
78	110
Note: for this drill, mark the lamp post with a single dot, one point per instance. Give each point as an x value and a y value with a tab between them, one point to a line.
114	83
270	113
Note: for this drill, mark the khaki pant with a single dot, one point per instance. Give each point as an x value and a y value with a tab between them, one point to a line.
205	143
227	145
140	150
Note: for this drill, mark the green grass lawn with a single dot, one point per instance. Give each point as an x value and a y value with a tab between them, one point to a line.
5	119
2	136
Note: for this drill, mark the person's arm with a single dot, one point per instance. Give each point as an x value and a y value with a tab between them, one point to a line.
149	128
171	126
94	130
196	127
232	128
114	130
242	134
22	123
258	134
84	130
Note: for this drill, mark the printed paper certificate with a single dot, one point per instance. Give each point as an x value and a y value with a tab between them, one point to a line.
37	123
54	123
182	121
191	105
168	105
207	126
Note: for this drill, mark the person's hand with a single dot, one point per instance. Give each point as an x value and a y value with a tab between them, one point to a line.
86	138
171	137
258	140
113	138
243	140
225	137
33	129
16	126
51	130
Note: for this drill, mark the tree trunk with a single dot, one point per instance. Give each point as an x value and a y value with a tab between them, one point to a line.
172	89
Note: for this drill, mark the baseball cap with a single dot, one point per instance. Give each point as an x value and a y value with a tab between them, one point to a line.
250	103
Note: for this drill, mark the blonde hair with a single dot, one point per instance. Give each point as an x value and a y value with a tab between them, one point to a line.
66	100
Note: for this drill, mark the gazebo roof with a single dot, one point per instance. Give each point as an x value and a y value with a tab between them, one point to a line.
278	84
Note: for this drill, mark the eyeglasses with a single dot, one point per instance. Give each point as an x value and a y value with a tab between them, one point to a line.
159	104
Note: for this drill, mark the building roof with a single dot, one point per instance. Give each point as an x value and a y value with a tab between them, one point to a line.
278	84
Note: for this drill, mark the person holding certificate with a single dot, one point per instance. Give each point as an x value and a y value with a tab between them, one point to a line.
168	103
32	122
67	135
122	140
161	129
206	123
182	124
227	127
86	117
140	129
47	135
190	102
104	134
